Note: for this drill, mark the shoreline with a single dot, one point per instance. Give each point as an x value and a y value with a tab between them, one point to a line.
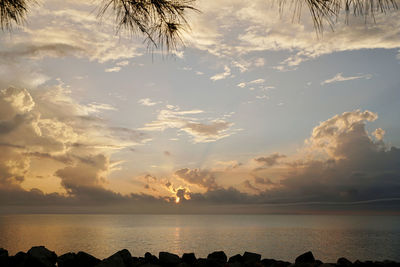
40	256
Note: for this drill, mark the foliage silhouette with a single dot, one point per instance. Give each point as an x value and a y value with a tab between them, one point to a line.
163	21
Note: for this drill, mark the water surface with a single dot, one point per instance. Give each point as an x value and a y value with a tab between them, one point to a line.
274	236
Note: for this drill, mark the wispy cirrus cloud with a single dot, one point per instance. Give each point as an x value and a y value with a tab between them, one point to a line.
200	129
148	102
113	69
223	75
340	78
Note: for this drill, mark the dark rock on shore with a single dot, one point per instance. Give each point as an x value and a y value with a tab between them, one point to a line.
218	256
42	257
274	263
3	253
4	259
84	259
307	257
189	258
168	259
344	262
81	259
250	258
67	260
235	258
201	262
122	258
22	259
150	258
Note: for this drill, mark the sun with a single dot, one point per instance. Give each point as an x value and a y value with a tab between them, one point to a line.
177	199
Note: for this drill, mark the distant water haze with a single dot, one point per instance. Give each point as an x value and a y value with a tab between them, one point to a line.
274	236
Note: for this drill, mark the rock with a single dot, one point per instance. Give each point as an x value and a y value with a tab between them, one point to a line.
120	259
149	265
126	257
388	263
280	264
201	263
45	256
3	253
327	265
344	262
307	257
149	258
251	258
139	262
235	264
183	264
318	263
112	261
22	259
268	262
168	259
67	260
189	258
86	260
218	256
235	258
4	259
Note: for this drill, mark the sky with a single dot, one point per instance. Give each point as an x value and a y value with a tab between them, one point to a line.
256	113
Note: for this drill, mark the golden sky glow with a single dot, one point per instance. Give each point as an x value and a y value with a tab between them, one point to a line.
255	111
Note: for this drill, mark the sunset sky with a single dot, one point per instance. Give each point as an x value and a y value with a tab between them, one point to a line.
255	114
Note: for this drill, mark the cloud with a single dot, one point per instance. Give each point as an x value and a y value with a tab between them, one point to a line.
379	134
262	97
73	31
249	29
122	63
21	51
241	85
254	82
341	166
147	102
113	69
270	160
173	117
340	78
257	81
70	142
329	135
203	178
223	75
98	107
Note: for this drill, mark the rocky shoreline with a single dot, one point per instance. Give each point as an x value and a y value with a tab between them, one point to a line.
42	257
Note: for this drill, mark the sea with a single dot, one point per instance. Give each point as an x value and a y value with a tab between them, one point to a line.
281	237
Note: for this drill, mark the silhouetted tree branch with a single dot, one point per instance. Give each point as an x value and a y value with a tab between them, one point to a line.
13	11
162	21
328	10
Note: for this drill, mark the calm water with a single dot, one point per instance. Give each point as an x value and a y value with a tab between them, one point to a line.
273	236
